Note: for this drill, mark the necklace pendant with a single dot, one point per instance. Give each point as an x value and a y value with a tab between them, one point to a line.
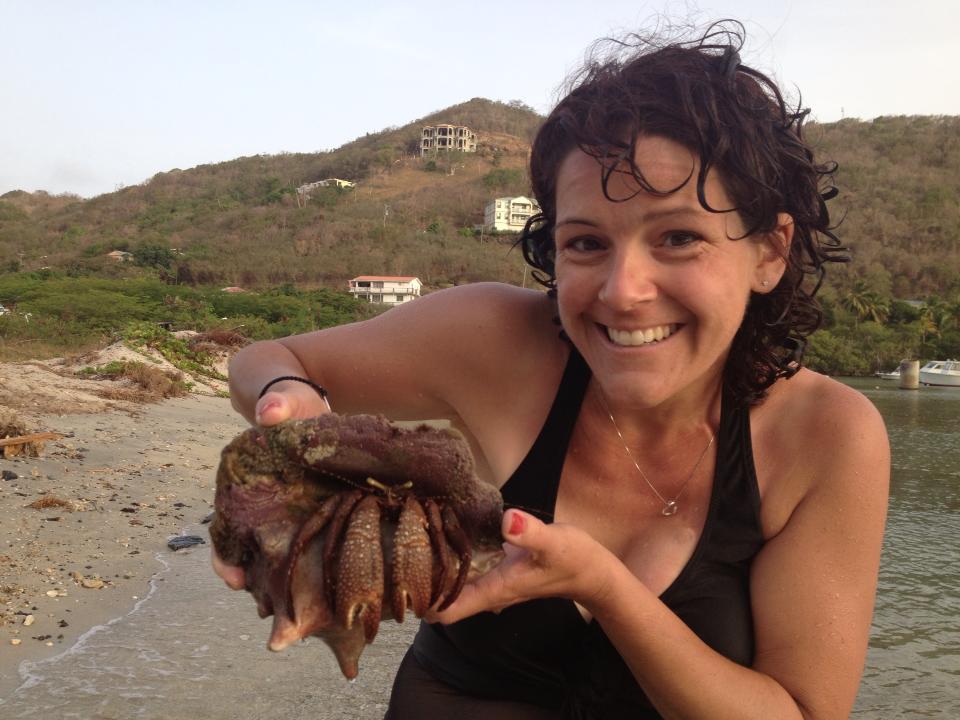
670	509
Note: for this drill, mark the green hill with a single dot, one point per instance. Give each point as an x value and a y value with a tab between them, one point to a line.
899	200
242	222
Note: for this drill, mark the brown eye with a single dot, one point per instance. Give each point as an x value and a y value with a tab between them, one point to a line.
586	243
680	239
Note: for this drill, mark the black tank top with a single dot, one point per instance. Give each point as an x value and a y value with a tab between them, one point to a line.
543	651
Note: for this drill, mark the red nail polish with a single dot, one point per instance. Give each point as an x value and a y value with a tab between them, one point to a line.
516	524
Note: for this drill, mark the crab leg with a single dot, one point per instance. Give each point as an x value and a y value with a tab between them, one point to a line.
359	591
331	541
412	562
308	531
439	543
461	544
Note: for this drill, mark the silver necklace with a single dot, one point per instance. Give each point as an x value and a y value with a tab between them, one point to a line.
670	507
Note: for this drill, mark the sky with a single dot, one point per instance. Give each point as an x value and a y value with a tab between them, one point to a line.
97	95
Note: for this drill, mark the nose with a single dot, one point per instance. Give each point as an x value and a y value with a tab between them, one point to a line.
630	280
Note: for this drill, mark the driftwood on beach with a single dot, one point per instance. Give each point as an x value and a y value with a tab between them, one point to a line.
34	437
13	446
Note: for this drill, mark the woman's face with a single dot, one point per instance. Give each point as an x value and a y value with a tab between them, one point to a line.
652	290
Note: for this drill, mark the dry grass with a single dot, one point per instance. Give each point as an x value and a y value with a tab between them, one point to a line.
24	349
151	383
217	340
50	501
11	425
154	381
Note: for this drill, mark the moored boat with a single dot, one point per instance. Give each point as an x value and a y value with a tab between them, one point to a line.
941	372
892	375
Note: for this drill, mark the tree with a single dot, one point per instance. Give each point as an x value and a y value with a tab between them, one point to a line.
937	317
865	303
153	255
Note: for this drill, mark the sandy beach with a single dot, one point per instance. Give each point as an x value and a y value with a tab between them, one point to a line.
83	522
98	616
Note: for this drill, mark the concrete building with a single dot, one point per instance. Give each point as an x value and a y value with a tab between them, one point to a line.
436	138
304	190
509	214
386	289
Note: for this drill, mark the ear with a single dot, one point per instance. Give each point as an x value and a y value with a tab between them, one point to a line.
773	249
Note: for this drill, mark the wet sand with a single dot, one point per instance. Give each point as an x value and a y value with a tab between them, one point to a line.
161	636
190	648
113	491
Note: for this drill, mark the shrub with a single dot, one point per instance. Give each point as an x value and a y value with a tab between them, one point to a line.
155	383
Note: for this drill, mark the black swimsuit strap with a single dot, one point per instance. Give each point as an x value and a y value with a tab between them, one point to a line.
545	459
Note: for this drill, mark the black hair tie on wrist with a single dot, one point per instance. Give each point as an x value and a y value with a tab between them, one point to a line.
322	391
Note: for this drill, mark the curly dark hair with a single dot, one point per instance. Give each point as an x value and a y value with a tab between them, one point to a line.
734	119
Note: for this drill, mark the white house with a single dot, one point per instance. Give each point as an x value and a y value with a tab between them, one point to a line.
386	289
509	213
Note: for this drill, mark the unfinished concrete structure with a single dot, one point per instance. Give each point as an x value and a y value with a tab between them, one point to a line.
437	138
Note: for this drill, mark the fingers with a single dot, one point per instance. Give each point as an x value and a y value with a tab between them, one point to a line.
485	593
232	575
273	408
286	401
521	529
504	585
540	560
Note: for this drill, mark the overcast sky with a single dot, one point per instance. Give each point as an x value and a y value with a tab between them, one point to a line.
99	94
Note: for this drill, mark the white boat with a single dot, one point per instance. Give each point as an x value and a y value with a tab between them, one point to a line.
892	375
941	372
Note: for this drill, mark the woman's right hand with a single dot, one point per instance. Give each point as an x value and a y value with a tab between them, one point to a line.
285	400
289	400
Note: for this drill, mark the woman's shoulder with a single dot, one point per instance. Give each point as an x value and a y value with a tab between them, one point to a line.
817	407
813	435
493	319
493	300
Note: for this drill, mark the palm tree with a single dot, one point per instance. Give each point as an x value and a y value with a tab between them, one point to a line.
865	303
936	317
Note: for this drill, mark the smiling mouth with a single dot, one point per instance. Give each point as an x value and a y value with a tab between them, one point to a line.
646	336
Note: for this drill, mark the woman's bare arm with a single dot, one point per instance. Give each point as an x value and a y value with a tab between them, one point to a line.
425	359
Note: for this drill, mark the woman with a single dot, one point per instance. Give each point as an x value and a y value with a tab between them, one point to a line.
701	518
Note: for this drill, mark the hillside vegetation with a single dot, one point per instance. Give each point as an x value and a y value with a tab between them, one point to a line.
243	223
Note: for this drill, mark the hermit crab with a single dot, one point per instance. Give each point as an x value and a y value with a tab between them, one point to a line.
341	521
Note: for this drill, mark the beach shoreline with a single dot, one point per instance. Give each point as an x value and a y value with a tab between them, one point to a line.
85	522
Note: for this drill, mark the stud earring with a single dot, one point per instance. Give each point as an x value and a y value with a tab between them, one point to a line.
763	283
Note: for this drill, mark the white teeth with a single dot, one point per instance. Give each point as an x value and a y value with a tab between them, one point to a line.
641	337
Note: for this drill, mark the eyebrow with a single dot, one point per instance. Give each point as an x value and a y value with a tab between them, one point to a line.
646	217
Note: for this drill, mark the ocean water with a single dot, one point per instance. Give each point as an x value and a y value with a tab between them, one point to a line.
913	665
190	648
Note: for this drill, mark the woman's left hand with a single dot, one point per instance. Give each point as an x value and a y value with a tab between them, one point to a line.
541	560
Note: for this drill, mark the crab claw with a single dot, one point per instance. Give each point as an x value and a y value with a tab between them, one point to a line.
412	562
359	591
